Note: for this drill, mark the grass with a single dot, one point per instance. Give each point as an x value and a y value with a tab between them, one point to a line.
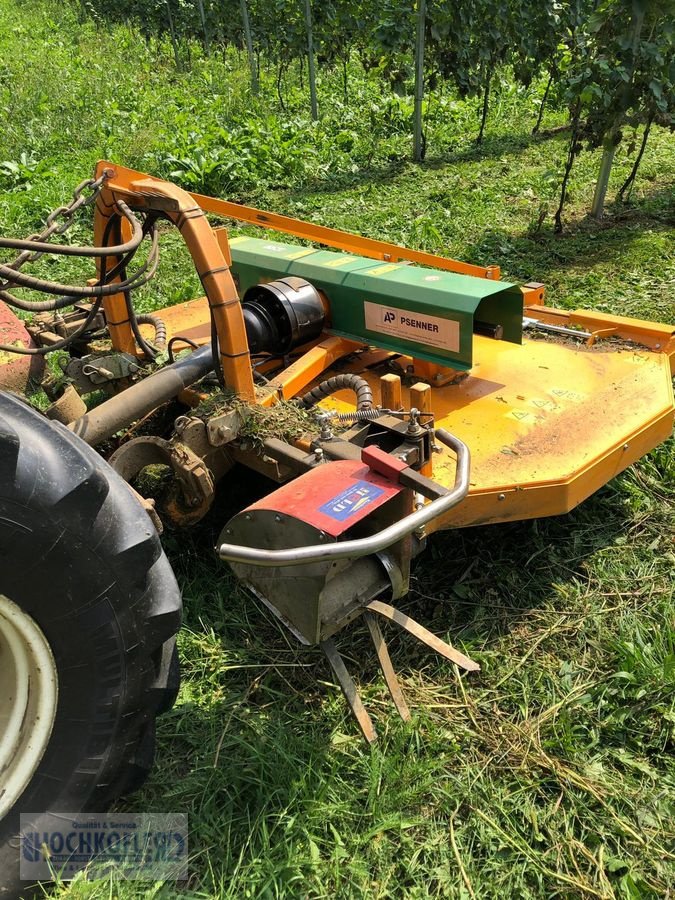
549	775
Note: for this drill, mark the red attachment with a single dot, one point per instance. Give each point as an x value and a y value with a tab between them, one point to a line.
383	463
332	497
16	370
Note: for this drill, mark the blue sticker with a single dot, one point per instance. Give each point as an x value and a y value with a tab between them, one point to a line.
350	501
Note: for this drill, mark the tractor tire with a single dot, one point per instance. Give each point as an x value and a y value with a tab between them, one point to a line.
90	608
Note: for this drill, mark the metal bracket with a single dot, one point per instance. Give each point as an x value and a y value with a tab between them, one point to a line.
190	470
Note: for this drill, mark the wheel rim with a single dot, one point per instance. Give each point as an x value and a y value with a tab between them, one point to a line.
28	700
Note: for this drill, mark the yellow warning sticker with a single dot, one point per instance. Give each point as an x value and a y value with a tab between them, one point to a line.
382	270
541	403
340	261
303	251
565	394
521	415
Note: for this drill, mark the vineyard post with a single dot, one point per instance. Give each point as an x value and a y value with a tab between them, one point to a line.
310	60
419	81
249	46
608	151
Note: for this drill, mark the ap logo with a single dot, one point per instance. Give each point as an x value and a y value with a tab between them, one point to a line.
389	316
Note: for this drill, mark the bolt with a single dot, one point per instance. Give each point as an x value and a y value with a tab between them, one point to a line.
228	531
438	376
278	518
625	446
318	454
501	497
248	517
322	536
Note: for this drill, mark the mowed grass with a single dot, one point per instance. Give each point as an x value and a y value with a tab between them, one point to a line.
551	773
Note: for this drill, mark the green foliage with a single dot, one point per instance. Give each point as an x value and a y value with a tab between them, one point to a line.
552	771
625	68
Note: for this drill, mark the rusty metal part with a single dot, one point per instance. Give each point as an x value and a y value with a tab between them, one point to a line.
68	407
349	690
384	660
47	326
17	372
193	476
223	428
103	421
89	373
424	635
148	505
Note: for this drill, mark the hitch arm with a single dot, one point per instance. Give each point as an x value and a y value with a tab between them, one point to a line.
373	543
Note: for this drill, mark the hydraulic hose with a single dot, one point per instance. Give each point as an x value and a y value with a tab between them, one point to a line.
71	249
141	398
159	340
346	381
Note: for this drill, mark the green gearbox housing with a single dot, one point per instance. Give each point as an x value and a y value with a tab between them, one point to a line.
430	314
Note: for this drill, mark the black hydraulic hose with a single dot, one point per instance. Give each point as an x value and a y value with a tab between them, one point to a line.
142	276
346	381
71	250
150	351
59	345
179	339
68	340
37	306
141	398
158	324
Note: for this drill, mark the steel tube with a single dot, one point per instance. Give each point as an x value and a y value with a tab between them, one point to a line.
141	398
374	543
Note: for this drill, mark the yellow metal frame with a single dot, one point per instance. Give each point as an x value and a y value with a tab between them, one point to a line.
548	422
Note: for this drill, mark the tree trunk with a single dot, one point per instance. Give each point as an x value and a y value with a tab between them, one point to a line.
628	183
535	130
172	32
486	102
418	150
345	76
202	16
571	153
310	62
246	22
280	75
